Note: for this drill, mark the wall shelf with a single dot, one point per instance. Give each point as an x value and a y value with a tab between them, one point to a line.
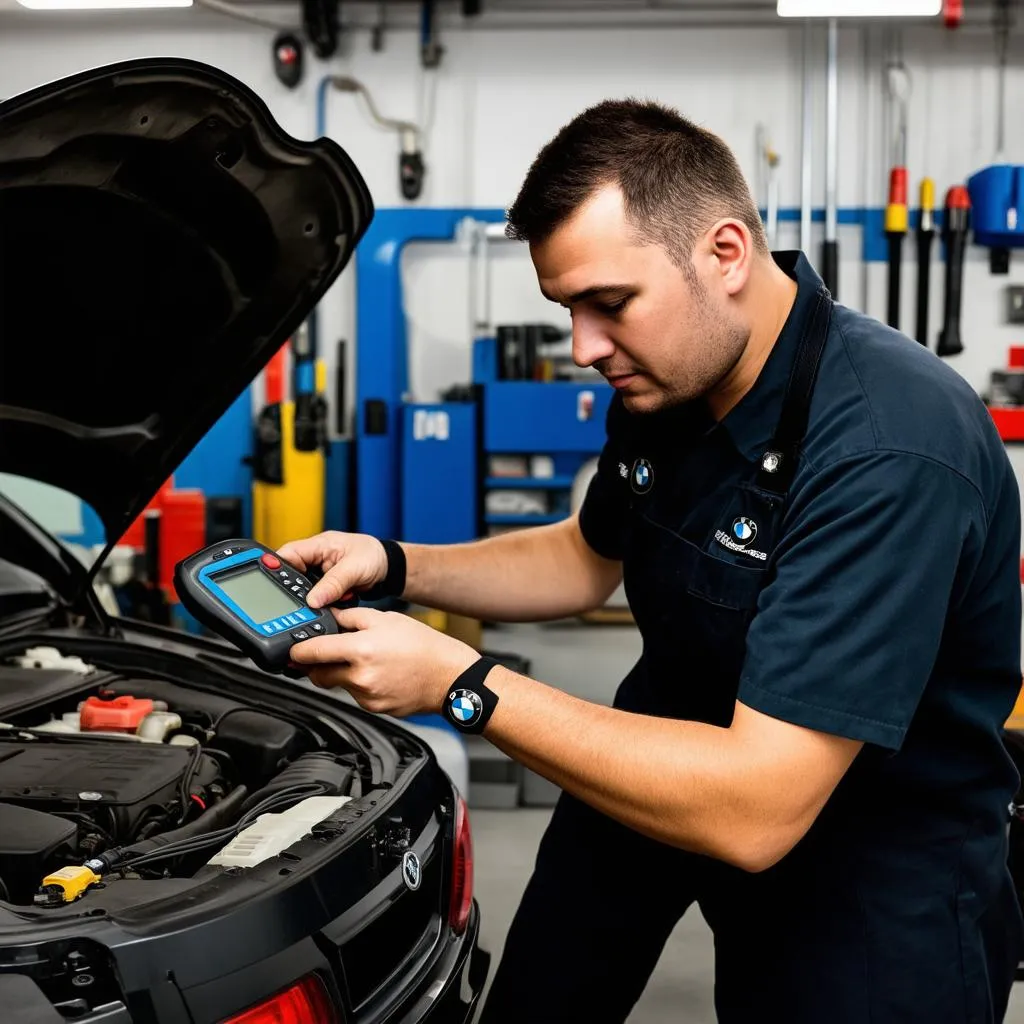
528	483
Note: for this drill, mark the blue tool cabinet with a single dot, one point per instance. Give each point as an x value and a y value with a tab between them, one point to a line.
439	472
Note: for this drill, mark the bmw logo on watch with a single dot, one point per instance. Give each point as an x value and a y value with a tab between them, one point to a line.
412	872
641	479
466	706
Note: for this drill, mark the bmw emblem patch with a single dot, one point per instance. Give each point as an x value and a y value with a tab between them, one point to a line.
466	706
641	477
744	530
412	873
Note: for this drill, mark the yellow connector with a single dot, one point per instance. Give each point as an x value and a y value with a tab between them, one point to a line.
66	885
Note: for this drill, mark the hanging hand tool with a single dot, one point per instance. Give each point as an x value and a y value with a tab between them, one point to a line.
830	247
954	234
896	220
925	237
895	230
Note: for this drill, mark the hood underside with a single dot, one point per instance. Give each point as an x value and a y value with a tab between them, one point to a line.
160	238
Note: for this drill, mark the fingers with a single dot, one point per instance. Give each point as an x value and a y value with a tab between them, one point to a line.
356	618
337	585
339	648
303	553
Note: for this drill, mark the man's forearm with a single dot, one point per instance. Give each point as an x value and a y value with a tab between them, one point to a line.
527	576
744	794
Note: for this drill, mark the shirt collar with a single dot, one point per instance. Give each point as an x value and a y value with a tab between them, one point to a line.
751	422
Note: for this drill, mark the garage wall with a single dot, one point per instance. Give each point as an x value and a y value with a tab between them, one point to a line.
501	93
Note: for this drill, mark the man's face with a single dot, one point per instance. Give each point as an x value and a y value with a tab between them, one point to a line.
659	336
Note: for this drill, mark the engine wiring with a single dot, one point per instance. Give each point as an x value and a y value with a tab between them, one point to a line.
121	859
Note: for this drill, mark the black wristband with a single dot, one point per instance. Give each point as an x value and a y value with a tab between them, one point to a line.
393	584
468	704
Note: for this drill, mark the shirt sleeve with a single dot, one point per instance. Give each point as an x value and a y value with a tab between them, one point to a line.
848	630
606	504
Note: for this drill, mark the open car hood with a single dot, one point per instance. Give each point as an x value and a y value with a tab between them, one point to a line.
160	238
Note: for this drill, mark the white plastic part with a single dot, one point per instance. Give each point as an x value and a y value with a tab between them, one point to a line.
156	725
269	834
50	657
181	740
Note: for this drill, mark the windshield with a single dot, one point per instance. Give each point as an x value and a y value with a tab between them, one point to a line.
59	512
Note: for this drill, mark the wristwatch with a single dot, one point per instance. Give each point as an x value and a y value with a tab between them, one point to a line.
469	704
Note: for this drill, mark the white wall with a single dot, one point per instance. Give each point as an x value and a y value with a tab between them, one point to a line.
500	94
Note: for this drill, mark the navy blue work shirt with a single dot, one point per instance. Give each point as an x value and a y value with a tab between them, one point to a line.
882	603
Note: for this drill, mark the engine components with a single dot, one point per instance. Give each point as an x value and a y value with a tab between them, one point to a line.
65	886
126	780
309	770
30	841
272	833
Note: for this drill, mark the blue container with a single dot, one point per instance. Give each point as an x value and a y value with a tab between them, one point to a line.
997	206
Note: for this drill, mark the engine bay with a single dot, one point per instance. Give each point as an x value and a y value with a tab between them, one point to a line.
105	776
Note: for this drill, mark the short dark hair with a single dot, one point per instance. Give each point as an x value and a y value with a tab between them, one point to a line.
676	178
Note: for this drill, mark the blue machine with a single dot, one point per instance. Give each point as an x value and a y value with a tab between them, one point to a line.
997	206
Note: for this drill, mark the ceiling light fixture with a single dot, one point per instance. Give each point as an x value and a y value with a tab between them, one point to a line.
859	8
100	5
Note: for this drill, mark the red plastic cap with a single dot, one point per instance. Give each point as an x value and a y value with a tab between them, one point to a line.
1016	357
958	198
953	13
122	714
898	186
306	1002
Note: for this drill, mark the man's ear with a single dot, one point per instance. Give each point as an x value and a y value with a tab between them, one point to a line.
732	248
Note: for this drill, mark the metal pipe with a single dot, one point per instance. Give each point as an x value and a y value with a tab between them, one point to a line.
807	157
832	129
830	248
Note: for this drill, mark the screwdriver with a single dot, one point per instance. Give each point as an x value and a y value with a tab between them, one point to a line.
925	237
895	230
954	234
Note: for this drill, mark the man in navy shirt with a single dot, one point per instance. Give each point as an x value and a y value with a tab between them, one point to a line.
819	534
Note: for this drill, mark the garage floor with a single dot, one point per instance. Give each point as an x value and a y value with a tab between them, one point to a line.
589	661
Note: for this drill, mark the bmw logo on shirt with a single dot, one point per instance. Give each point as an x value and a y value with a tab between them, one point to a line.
466	706
641	479
744	530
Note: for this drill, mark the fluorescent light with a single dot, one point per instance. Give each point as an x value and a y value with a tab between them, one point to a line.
859	8
99	5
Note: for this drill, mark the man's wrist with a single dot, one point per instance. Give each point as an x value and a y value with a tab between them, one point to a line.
393	583
468	703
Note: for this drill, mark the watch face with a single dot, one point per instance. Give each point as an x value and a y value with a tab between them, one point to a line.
464	706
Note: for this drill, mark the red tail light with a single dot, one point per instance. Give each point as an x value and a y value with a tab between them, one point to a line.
306	1002
462	871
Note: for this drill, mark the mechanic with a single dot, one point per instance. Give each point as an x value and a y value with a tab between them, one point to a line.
819	531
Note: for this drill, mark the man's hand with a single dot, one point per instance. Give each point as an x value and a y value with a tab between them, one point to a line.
349	561
390	663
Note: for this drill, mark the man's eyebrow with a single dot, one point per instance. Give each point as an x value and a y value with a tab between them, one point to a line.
588	293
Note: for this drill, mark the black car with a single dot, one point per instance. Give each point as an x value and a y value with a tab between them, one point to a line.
260	853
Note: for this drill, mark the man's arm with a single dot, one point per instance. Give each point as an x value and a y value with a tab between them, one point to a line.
745	795
534	575
547	572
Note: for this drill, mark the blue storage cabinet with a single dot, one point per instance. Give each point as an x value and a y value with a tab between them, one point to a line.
440	494
564	420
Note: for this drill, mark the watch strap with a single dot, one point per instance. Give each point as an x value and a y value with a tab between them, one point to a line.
393	584
469	704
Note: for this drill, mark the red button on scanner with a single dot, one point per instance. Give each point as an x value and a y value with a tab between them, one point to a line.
271	561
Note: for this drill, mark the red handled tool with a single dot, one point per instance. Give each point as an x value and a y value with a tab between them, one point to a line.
954	234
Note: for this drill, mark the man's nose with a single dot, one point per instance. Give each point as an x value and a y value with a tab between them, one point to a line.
590	343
